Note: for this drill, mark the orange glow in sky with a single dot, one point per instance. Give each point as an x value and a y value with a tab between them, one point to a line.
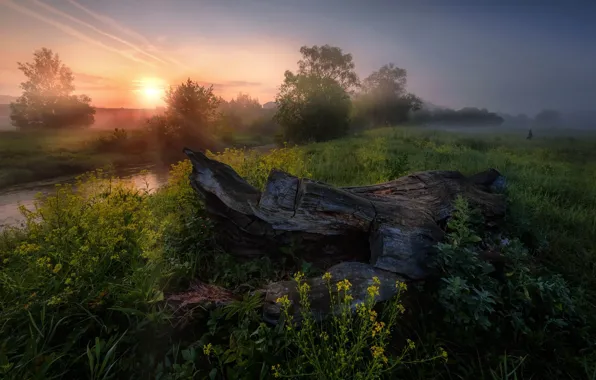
120	65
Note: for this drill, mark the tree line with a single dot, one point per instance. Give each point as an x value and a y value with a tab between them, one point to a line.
323	99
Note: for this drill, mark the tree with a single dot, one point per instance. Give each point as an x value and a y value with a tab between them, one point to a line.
243	110
312	108
189	118
47	99
385	99
328	62
314	104
547	118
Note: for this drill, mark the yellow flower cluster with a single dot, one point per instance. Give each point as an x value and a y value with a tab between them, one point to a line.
378	328
284	301
327	277
373	290
344	285
401	286
299	276
443	353
275	369
373	315
304	288
207	349
400	308
378	353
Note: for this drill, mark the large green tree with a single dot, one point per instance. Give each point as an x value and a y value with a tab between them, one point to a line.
385	99
329	62
314	104
47	100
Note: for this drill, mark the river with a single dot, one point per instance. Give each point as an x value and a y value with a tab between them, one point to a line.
24	194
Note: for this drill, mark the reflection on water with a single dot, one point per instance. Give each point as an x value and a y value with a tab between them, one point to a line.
11	198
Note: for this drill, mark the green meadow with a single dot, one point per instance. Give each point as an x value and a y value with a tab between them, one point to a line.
85	285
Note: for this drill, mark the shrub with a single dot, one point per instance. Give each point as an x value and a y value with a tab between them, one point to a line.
519	299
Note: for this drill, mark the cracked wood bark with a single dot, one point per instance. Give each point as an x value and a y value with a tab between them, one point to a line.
393	225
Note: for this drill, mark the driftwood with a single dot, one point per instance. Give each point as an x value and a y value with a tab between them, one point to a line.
391	226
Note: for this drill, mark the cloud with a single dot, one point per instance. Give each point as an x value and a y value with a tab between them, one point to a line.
99	31
108	21
241	83
111	22
73	32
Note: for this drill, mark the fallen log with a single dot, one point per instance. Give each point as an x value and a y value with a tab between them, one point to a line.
393	226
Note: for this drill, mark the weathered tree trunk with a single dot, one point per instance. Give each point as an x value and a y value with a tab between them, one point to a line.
393	225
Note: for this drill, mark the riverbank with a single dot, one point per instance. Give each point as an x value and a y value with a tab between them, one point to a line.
28	157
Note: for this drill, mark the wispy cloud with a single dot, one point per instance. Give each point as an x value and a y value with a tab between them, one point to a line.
97	30
111	22
73	32
108	21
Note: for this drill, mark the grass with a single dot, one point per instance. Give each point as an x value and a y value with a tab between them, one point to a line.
82	286
39	155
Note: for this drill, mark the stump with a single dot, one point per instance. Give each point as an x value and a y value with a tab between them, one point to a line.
392	226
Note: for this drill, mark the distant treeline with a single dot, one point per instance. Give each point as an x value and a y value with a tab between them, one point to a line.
466	116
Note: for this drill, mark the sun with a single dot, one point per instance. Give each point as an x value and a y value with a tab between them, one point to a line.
151	91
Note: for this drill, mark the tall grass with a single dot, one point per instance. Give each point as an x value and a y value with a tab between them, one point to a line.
83	285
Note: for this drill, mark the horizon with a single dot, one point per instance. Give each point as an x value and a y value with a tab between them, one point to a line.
500	56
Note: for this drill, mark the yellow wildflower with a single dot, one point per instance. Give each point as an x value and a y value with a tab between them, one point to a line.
376	281
57	268
373	315
284	301
275	369
378	353
348	298
298	276
411	345
400	308
401	285
207	349
373	290
344	285
443	353
304	288
327	277
377	328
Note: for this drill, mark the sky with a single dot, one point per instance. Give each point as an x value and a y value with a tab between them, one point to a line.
507	56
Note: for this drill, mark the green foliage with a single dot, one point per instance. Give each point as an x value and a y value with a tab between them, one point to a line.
314	104
351	345
47	100
255	167
311	108
328	62
521	301
83	285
